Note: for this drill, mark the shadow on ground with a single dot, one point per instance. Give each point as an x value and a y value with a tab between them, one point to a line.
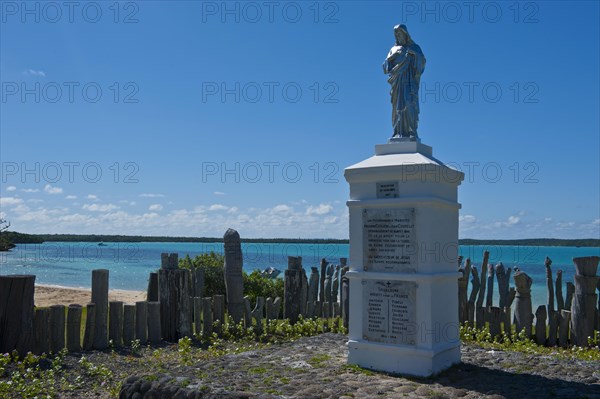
512	385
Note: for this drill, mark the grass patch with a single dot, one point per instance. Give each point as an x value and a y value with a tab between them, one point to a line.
519	342
257	370
319	361
357	369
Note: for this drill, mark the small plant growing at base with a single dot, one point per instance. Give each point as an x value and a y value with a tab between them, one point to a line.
184	348
136	347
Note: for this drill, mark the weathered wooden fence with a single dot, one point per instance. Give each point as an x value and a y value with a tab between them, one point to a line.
176	307
562	321
104	323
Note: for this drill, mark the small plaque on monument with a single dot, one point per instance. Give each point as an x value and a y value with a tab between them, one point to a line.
387	189
390	313
389	240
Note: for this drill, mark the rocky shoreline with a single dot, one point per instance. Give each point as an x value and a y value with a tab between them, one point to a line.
315	367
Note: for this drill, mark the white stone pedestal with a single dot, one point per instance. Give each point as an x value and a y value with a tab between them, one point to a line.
403	261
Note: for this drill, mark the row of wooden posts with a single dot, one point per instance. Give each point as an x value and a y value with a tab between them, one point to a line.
179	293
176	308
169	313
571	322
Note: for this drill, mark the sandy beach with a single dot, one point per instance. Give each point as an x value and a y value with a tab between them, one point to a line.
47	295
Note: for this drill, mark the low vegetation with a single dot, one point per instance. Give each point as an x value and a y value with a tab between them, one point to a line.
100	373
255	284
519	342
6	244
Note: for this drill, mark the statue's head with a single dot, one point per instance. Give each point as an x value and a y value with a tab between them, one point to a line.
402	36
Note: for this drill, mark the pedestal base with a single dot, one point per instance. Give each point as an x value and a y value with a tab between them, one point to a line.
402	359
403	226
403	147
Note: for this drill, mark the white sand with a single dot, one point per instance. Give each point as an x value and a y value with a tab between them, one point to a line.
46	295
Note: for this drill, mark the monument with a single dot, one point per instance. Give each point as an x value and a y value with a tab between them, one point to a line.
403	306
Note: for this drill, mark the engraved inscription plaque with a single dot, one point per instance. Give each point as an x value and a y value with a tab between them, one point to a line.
389	315
389	240
387	189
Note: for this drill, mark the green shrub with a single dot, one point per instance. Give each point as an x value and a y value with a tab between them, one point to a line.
212	264
255	284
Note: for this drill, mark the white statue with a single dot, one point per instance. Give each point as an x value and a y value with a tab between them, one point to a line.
404	64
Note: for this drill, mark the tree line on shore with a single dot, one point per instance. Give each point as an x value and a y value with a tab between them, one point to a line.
22	238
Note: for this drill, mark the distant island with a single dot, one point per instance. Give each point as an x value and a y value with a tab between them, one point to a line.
536	242
21	238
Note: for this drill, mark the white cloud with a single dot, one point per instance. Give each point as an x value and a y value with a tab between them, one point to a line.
331	220
33	72
30	190
71	197
10	201
321	209
77	219
596	222
92	197
11	188
202	220
219	193
151	195
155	207
42	216
512	220
467	219
52	190
21	208
281	209
100	208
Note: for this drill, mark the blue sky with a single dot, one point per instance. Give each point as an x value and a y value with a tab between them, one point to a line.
189	117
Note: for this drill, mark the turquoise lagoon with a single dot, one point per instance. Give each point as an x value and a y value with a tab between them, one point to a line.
70	263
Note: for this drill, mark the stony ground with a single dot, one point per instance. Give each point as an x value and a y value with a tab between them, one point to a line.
315	367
